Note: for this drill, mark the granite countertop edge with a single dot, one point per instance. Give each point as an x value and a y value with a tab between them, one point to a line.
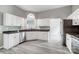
24	30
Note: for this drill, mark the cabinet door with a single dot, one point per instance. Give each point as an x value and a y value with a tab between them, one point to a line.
12	20
5	41
75	22
19	21
42	35
68	42
16	39
31	35
11	40
1	40
7	19
37	35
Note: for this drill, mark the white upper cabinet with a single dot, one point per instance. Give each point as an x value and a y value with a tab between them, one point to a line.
75	22
12	20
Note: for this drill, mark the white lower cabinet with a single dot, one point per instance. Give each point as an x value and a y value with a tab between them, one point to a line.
10	40
16	39
31	35
72	43
37	35
68	42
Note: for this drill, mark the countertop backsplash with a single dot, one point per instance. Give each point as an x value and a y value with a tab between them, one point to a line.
6	28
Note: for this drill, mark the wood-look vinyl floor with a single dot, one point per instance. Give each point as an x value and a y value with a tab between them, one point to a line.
36	47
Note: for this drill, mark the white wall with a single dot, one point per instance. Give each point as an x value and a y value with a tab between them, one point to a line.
62	12
74	7
12	9
43	22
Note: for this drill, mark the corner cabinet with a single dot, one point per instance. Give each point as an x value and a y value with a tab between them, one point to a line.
10	40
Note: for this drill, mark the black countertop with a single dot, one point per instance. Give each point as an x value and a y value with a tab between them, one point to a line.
74	34
26	30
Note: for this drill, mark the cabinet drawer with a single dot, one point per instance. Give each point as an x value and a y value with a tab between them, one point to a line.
11	40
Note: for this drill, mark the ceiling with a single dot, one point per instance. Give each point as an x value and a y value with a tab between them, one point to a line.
39	8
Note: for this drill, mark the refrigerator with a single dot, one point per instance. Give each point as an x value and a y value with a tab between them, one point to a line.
56	31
